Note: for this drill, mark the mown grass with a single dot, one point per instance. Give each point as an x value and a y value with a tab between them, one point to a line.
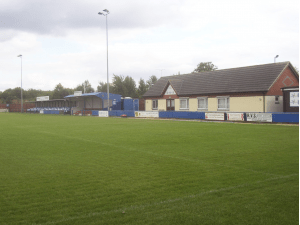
89	170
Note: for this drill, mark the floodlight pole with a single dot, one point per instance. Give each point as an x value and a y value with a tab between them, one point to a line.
107	64
100	13
21	86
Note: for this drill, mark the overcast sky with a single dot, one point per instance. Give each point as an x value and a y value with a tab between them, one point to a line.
64	41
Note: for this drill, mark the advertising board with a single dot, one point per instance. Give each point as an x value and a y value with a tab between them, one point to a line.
77	93
103	113
146	114
235	116
42	98
259	117
215	116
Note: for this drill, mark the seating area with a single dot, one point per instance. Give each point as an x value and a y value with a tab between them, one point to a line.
38	109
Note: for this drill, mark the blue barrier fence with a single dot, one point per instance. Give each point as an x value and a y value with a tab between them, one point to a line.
182	115
285	117
277	117
51	111
129	113
95	113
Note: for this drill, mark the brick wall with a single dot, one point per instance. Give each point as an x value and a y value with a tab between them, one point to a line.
286	79
16	107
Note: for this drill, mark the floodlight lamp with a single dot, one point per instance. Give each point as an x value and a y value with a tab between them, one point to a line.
105	10
19	56
276	56
100	13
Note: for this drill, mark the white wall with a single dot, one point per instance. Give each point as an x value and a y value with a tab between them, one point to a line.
270	105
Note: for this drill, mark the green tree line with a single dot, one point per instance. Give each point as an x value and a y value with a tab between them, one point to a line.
125	86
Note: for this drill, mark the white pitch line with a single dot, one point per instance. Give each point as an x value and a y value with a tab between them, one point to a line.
165	201
163	155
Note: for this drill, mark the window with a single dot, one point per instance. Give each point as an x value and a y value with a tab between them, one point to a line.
277	99
202	103
170	91
294	99
223	103
184	103
154	104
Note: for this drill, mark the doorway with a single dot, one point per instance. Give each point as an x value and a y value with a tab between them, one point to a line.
170	105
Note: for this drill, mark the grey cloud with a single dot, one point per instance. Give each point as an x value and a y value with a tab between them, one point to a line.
56	16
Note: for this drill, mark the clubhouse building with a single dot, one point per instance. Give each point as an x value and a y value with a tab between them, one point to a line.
258	88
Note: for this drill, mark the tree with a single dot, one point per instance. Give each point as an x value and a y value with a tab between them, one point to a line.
60	92
102	87
205	66
14	95
142	88
6	96
85	87
118	85
31	94
152	80
124	86
129	87
10	95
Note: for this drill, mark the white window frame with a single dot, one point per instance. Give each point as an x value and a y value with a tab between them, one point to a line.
156	103
227	103
206	103
170	91
186	104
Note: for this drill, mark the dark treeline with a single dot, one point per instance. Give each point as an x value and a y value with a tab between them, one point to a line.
125	86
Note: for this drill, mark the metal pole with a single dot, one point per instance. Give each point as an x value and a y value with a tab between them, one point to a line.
21	88
106	13
107	64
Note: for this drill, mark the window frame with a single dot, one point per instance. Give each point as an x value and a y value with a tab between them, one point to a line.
171	90
227	103
187	103
156	103
206	103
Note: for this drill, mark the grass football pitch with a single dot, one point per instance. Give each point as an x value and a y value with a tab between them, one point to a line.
90	170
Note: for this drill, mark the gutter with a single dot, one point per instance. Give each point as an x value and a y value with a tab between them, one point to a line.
264	101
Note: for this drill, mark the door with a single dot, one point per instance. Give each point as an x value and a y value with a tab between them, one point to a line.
170	104
136	104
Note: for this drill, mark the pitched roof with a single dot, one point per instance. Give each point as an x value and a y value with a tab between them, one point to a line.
258	78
